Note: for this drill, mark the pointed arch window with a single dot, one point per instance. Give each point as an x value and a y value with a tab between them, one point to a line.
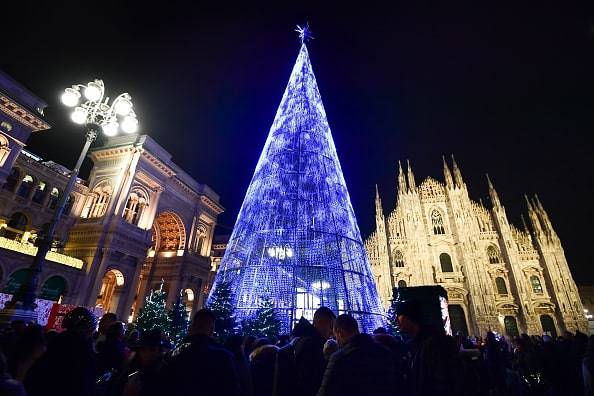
536	285
437	222
501	286
201	234
398	259
493	254
446	263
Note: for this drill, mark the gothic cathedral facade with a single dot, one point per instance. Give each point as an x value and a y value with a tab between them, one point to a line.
497	276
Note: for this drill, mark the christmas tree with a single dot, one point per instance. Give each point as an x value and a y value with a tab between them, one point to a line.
154	313
265	322
221	304
178	321
296	235
392	321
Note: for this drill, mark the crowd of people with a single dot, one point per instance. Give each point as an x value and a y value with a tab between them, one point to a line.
326	357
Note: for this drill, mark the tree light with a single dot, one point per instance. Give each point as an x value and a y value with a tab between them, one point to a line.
130	124
93	92
70	97
111	128
79	115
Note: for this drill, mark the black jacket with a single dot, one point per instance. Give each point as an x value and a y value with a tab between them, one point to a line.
66	368
198	366
361	367
436	365
300	365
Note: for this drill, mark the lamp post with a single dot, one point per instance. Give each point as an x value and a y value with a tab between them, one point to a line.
93	110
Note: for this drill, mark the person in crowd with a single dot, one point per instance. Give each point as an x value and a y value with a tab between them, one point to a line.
112	352
104	323
140	374
234	344
29	346
70	352
360	366
435	366
588	368
330	347
399	353
8	385
495	362
262	366
301	364
199	364
248	342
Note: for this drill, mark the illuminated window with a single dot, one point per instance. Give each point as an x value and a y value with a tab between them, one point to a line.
536	286
53	199
4	148
437	222
493	255
398	259
135	206
26	186
39	193
446	263
100	198
501	286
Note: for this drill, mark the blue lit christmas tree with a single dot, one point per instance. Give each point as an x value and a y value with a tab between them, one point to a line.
296	238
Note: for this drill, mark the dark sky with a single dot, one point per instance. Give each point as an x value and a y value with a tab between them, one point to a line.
508	89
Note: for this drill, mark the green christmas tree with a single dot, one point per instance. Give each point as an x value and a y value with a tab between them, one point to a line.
265	322
154	313
392	321
178	321
221	304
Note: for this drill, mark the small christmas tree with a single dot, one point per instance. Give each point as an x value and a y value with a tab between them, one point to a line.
265	322
178	321
154	313
392	321
221	304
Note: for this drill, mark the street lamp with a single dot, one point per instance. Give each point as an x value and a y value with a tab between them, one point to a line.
93	110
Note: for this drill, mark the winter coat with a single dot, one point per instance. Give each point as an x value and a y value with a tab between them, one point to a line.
70	353
198	366
436	366
361	367
262	362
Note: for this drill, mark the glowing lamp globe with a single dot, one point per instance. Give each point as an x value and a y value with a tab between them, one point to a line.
123	107
130	124
111	128
79	115
70	97
92	92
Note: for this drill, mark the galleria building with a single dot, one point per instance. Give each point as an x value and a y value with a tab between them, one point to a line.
139	221
497	276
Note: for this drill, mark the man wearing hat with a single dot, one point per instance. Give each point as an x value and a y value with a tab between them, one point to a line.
435	365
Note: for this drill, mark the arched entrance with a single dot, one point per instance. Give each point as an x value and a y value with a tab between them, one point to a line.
457	319
548	325
111	290
15	280
53	288
511	326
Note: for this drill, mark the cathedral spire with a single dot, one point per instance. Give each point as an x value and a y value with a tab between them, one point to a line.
379	212
457	173
401	180
447	174
493	194
533	216
524	224
412	186
543	215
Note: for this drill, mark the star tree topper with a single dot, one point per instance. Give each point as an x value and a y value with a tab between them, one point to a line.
304	33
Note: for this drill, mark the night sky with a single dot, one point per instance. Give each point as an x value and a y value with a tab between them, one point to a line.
508	90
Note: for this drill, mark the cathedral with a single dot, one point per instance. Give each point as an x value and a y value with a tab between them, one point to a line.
498	277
